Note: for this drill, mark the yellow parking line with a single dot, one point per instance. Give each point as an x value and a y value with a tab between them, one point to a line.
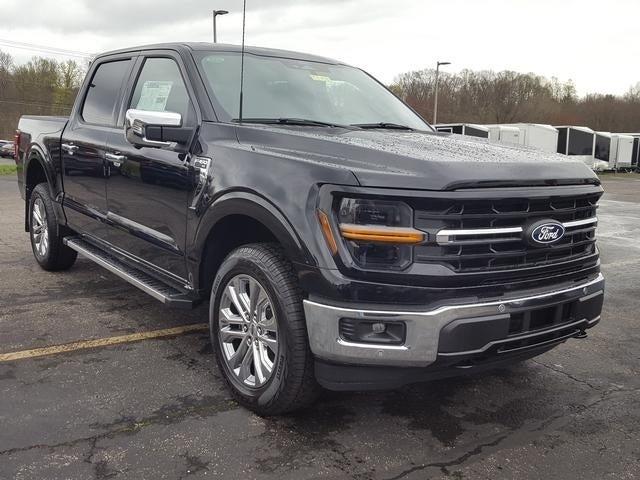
102	342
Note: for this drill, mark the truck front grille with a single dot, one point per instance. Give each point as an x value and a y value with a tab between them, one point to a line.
480	234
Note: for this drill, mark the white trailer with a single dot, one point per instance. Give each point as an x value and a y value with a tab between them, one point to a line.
469	129
576	142
504	134
635	156
604	149
624	151
538	135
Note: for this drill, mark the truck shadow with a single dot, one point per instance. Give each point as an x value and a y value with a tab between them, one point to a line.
428	419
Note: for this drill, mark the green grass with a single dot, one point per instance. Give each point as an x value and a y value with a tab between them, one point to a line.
8	169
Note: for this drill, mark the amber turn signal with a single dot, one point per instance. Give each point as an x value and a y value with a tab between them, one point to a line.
325	225
380	234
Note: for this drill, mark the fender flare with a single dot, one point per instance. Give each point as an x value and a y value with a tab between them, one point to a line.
37	154
260	209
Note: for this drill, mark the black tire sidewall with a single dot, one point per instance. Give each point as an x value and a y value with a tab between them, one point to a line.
232	266
52	225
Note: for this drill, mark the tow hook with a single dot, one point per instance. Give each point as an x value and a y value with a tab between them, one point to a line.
581	334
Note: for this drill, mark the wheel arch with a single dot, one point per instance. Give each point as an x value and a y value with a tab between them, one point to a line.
38	170
237	219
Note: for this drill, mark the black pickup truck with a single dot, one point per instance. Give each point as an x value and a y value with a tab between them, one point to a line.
340	241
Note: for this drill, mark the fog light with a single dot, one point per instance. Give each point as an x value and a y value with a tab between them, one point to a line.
378	327
367	331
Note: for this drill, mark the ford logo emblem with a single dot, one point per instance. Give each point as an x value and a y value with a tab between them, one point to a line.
545	232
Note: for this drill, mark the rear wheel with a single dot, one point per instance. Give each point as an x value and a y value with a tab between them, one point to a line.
46	234
259	332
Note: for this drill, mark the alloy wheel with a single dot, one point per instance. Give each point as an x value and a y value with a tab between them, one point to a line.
40	230
248	331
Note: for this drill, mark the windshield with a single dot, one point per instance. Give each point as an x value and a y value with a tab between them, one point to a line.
283	88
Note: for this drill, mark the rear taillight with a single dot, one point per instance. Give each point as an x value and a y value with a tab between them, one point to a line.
16	145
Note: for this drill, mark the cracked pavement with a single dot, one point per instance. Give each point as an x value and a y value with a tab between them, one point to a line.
158	409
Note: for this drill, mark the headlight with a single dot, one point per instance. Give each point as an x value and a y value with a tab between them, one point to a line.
378	233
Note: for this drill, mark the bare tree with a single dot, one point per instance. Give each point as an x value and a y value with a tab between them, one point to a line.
70	75
41	87
507	97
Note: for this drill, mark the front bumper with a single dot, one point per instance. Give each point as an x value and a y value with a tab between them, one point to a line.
455	334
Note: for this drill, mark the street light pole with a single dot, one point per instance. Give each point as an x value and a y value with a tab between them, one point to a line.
435	99
215	14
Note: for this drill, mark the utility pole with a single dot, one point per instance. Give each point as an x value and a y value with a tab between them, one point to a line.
215	14
435	100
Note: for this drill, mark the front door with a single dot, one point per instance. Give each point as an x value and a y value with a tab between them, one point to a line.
83	147
148	188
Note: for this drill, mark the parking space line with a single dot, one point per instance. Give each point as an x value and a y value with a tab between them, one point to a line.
102	342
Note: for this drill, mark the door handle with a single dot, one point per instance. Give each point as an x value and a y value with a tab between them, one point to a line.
115	158
70	148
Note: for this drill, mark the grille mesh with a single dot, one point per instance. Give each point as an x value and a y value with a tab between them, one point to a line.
504	251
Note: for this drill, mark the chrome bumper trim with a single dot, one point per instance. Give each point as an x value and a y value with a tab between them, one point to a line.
423	327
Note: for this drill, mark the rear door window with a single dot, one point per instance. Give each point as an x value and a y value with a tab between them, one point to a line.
104	92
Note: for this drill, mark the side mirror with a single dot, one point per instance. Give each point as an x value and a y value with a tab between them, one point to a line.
146	128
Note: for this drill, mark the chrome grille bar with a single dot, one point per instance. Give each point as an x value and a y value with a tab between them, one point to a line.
448	236
579	223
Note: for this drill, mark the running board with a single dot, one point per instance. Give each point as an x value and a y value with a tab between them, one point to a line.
159	290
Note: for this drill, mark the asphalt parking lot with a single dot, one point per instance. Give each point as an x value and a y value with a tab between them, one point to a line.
157	408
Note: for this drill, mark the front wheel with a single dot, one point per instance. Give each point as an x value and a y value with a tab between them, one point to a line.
46	234
259	333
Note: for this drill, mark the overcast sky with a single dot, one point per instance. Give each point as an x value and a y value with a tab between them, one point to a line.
595	43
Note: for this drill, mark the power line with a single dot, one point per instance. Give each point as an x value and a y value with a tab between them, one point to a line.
40	100
46	49
36	104
36	84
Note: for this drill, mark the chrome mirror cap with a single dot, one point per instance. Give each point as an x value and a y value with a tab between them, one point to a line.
137	121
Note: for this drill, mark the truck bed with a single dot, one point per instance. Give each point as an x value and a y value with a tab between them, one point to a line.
45	131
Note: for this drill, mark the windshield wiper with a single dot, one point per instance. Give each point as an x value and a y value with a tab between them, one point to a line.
291	121
390	126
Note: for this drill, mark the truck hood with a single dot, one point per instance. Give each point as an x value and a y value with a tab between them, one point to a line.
418	160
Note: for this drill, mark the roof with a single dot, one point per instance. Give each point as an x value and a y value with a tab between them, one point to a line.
222	47
542	126
473	125
502	126
622	136
574	127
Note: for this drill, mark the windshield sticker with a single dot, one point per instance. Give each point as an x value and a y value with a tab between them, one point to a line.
320	78
214	59
154	95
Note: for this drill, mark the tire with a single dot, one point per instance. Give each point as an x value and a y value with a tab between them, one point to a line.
46	234
287	382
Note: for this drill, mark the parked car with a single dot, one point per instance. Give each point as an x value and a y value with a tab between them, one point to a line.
340	241
6	149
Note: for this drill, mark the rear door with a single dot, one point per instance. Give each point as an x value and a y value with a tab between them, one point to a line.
83	145
148	188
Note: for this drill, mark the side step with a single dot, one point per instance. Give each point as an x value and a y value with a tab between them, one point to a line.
159	290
